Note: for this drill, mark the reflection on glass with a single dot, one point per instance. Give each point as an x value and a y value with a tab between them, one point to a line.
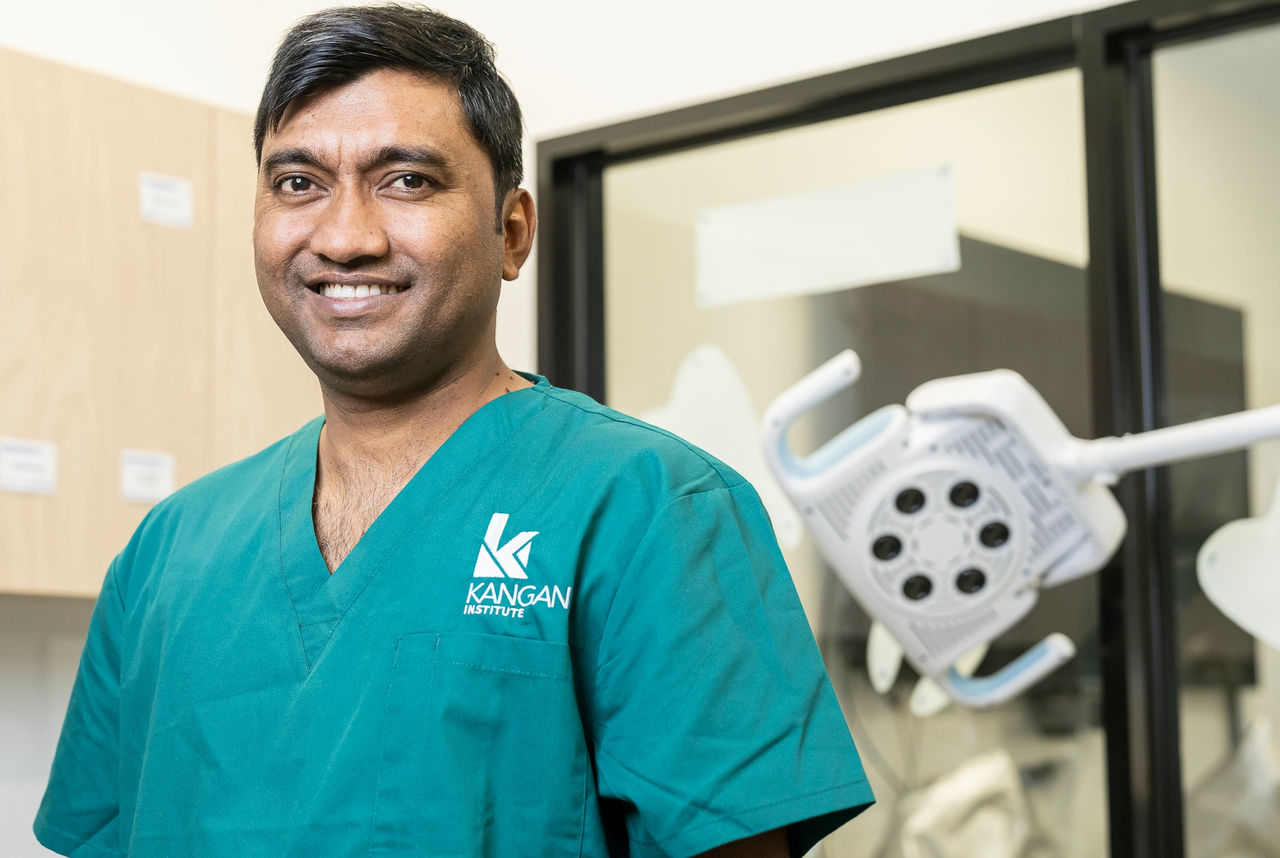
1031	771
1217	120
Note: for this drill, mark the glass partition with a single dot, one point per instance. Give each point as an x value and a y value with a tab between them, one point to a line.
1002	168
1217	127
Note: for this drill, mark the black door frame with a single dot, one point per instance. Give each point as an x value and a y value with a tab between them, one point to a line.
1112	47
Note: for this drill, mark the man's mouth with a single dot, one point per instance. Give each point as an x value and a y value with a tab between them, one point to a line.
361	290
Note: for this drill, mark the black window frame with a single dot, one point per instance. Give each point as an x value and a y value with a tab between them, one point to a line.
1112	48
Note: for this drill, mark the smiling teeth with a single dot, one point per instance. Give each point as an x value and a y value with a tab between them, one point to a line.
342	290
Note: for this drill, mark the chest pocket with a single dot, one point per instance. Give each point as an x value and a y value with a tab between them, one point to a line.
482	754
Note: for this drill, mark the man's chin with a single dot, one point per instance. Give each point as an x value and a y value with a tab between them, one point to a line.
358	375
378	383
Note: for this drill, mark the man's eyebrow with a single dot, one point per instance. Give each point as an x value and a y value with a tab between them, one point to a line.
297	157
424	156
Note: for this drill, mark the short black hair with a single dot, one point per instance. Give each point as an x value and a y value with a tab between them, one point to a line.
338	46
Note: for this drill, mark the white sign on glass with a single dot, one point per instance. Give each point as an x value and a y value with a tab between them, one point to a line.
875	231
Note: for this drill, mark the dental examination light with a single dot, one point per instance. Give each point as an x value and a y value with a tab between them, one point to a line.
945	518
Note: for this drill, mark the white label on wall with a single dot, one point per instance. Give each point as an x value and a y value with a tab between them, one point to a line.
146	477
875	231
28	466
166	200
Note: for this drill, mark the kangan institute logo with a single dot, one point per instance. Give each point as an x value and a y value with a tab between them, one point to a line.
503	561
508	561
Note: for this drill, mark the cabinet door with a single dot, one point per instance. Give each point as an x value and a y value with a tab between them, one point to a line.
105	338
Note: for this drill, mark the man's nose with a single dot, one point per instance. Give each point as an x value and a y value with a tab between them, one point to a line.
349	229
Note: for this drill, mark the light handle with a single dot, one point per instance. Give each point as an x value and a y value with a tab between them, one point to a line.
824	382
1012	679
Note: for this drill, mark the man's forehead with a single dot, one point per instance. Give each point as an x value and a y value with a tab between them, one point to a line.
375	104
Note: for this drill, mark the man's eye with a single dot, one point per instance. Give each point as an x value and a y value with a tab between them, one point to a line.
295	185
413	181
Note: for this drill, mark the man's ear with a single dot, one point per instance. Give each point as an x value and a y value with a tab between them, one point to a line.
519	222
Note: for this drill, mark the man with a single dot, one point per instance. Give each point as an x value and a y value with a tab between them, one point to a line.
464	613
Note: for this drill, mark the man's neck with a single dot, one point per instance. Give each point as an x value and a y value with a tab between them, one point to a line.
393	436
369	451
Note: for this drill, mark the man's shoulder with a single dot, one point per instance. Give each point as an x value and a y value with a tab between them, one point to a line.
253	479
601	438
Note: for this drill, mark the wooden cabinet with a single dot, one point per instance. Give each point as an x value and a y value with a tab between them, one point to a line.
116	333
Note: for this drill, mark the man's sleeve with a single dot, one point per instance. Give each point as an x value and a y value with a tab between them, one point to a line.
714	719
81	804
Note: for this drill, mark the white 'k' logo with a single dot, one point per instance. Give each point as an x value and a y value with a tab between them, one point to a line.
507	561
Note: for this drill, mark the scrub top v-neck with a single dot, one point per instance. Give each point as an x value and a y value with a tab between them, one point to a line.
320	599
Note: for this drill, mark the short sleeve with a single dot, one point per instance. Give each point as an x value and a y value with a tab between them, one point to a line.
714	717
78	816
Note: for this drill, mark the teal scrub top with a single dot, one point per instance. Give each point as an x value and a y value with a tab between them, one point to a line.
571	633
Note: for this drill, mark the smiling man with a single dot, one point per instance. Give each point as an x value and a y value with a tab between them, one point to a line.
464	612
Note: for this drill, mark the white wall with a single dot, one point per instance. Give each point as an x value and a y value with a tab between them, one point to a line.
40	641
573	63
